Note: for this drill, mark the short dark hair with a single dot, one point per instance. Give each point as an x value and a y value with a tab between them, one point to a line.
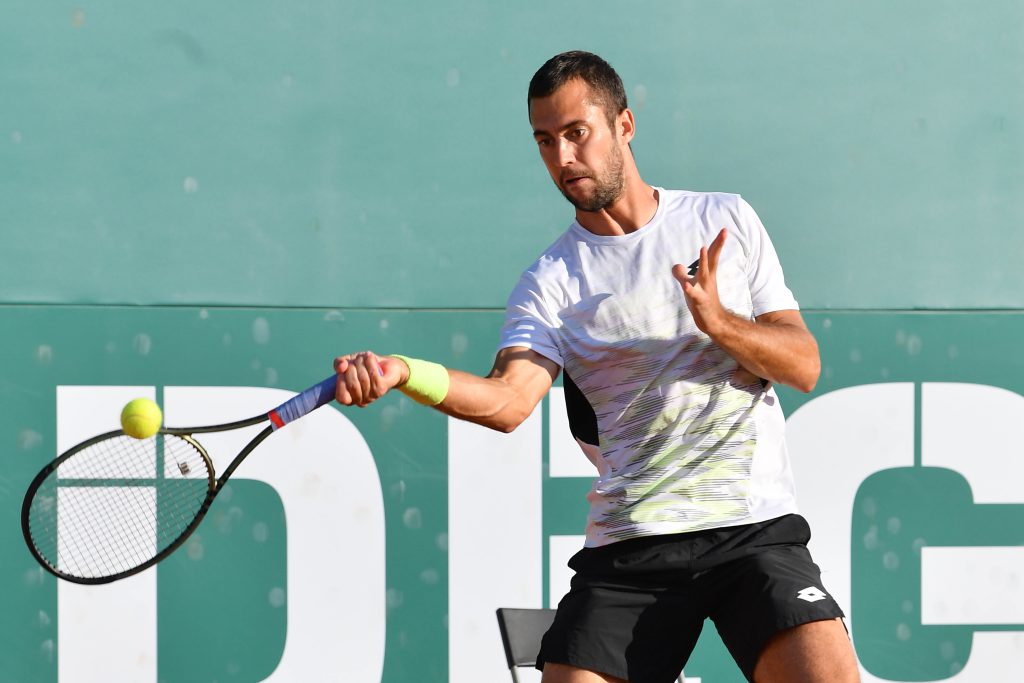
604	83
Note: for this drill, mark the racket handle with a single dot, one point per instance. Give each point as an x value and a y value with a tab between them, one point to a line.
309	400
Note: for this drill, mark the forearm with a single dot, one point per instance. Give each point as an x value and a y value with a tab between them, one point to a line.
783	352
488	401
518	381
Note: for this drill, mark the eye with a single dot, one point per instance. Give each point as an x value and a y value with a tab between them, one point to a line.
577	132
543	142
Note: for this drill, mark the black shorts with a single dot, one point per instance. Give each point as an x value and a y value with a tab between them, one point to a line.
635	608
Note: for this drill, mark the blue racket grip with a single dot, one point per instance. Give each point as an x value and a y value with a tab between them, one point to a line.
309	400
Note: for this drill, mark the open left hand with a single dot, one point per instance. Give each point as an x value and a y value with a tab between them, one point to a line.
701	289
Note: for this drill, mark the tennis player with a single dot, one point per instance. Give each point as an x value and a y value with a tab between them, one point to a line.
668	315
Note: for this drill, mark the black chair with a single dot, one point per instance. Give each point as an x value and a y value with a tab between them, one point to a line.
521	633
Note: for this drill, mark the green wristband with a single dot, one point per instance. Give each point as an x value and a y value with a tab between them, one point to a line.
428	382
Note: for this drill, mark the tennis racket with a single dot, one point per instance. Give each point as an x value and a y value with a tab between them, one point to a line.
114	505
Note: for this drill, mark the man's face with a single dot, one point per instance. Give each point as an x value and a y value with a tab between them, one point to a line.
581	152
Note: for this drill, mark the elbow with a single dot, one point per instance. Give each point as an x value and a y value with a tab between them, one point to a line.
810	368
806	387
506	424
508	419
505	427
809	378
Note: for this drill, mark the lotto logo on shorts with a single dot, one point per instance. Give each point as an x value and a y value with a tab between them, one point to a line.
811	594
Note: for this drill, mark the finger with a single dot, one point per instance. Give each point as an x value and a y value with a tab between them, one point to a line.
372	369
365	383
680	273
378	384
352	384
341	392
689	291
716	249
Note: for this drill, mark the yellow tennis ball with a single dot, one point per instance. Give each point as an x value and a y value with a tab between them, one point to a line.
141	418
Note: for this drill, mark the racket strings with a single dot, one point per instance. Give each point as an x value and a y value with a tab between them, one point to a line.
118	503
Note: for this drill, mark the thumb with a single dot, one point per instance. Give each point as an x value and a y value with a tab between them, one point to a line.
682	276
393	368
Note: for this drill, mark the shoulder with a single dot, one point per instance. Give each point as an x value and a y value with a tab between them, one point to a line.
555	261
705	203
545	280
716	208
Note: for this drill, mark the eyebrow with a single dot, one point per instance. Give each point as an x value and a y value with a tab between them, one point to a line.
538	132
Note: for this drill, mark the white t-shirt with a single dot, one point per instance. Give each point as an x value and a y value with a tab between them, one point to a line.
678	443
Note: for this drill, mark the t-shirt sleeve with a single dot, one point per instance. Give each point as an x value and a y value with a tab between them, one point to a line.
528	323
768	290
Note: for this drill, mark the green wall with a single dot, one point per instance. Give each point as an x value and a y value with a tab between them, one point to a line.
378	154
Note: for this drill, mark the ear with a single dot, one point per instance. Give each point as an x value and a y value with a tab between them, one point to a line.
626	125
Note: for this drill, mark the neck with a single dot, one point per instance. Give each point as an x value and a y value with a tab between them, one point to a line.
631	211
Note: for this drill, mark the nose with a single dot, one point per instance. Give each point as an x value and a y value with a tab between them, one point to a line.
564	154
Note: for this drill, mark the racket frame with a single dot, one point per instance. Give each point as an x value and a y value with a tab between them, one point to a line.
214	486
302	404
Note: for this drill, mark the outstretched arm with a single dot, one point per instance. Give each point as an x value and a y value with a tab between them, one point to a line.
501	400
776	346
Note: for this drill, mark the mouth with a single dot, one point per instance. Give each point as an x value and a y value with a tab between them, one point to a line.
575	180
